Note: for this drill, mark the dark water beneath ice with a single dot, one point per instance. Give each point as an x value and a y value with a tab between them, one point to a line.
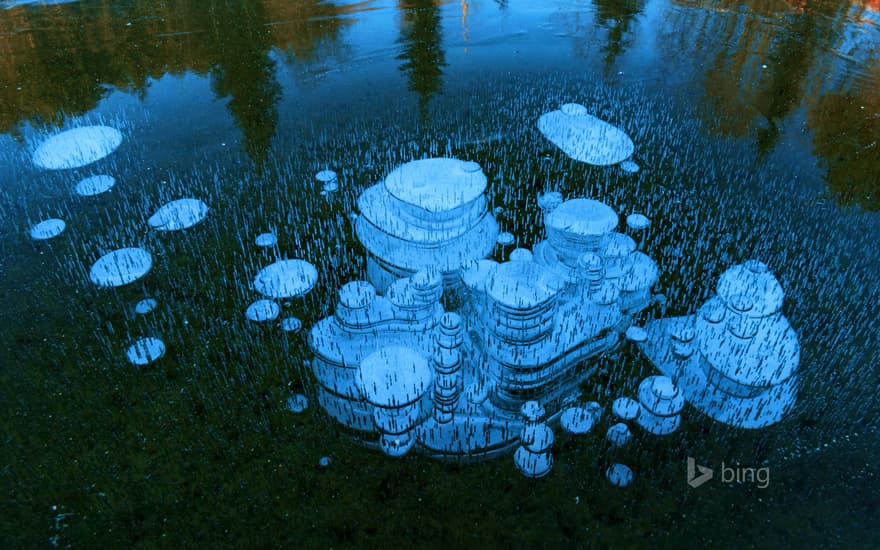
756	126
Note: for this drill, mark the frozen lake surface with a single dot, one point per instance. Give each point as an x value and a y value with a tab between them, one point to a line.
172	170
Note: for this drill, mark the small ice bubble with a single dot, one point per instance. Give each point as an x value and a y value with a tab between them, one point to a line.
95	185
179	214
120	267
262	310
629	167
506	238
47	229
291	324
297	403
286	279
265	240
145	306
619	475
145	351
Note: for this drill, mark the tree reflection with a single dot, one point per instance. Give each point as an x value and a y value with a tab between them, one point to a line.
774	58
617	17
767	57
244	72
789	66
847	136
422	52
61	60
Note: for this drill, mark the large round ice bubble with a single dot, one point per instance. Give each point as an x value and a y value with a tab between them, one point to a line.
121	267
286	279
584	137
77	147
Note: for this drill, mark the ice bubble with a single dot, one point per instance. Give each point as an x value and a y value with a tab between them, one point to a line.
577	218
618	434
629	167
751	283
179	214
145	306
636	334
625	408
15	3
532	411
297	403
577	420
521	255
437	184
505	238
291	324
262	310
522	285
47	229
325	176
121	267
394	376
286	279
637	222
77	147
95	185
145	351
574	109
550	200
619	475
265	240
584	137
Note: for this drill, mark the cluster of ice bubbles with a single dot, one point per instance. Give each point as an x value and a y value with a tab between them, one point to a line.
498	373
502	370
85	145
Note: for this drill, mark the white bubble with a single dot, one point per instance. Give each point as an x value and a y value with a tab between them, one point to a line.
265	240
619	475
584	137
145	306
262	310
286	279
297	403
179	214
120	267
77	147
291	324
505	238
629	167
47	229
95	185
145	351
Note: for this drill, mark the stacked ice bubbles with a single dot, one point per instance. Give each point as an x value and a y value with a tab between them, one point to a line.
429	212
522	298
736	360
